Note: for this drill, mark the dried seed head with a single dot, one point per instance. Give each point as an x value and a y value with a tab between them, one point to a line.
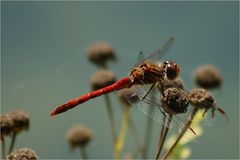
101	79
201	98
22	154
99	53
177	83
128	96
208	76
175	99
128	157
6	125
20	120
79	136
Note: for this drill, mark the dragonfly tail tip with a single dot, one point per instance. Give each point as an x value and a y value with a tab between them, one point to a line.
53	113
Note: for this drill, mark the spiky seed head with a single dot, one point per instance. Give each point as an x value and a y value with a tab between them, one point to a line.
6	125
99	53
207	76
102	78
22	154
79	136
175	99
128	96
20	120
201	98
176	83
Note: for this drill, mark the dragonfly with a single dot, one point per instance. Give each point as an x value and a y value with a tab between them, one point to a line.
146	71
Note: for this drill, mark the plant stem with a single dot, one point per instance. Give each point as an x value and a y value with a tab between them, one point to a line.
84	153
148	133
132	128
111	119
122	134
180	135
163	134
134	134
12	142
3	148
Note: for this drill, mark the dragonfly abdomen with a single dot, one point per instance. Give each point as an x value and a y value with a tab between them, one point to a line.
121	84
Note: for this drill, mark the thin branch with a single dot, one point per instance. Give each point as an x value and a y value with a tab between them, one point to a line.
187	125
163	135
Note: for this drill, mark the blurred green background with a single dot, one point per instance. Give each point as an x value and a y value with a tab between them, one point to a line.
44	63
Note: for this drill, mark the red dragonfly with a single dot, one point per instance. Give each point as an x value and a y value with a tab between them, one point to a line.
146	71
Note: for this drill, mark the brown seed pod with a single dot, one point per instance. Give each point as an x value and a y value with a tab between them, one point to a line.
79	136
201	98
101	79
6	125
177	83
99	53
20	120
176	100
128	96
22	154
208	76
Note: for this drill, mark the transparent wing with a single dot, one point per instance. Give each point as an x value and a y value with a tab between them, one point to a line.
140	59
129	95
147	103
153	107
155	56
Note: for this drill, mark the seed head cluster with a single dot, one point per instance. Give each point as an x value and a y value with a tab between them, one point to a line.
208	76
201	98
22	154
6	125
15	121
102	78
176	83
99	53
175	99
79	136
20	120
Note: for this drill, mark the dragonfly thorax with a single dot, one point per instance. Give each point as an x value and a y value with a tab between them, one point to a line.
147	73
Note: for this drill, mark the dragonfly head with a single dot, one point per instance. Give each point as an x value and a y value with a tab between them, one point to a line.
171	70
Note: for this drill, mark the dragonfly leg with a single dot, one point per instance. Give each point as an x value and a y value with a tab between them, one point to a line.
205	111
160	87
213	112
148	91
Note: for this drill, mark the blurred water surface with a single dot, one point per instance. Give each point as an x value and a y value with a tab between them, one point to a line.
44	63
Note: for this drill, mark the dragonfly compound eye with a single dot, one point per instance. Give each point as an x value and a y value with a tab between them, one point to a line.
171	70
176	100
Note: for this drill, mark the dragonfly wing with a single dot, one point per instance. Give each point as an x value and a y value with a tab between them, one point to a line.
151	103
129	95
140	59
180	122
153	112
155	56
